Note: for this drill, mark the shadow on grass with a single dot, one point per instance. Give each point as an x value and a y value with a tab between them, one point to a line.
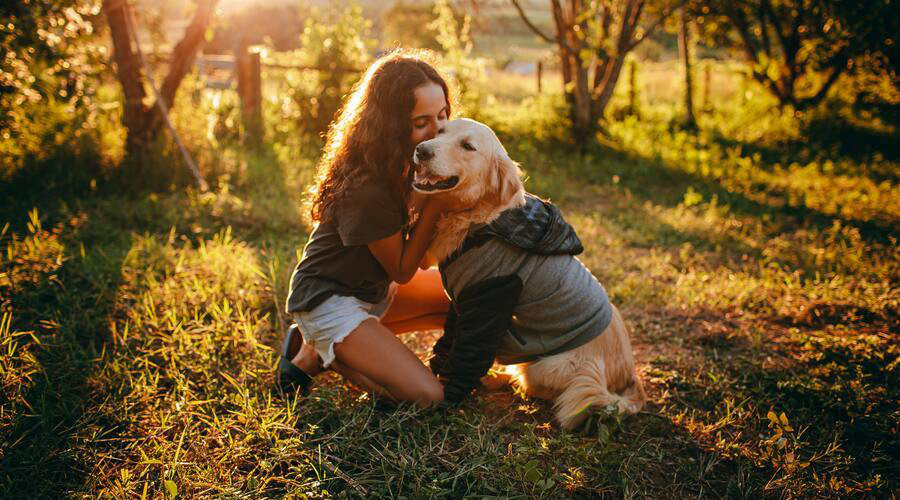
68	309
826	137
834	385
47	449
844	139
660	183
48	183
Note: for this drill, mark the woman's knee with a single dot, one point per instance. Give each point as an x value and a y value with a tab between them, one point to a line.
426	393
434	393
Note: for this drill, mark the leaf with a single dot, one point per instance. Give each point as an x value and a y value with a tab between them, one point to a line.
532	474
603	433
784	419
772	417
171	488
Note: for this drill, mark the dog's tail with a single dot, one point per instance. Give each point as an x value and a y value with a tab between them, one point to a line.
588	390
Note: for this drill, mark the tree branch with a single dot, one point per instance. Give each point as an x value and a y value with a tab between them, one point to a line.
650	29
776	23
563	27
761	14
184	52
740	22
835	73
531	25
181	61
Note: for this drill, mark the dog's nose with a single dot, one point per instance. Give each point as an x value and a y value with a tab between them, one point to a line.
423	152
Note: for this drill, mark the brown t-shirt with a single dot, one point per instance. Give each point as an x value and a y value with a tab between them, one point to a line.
337	260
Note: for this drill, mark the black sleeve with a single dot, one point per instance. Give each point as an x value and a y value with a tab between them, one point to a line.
484	311
440	353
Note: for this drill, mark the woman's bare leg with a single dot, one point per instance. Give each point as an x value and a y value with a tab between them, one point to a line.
360	380
419	305
374	358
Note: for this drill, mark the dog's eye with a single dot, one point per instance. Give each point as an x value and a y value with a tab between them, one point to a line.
468	146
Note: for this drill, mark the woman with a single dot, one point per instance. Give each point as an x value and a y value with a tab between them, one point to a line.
358	282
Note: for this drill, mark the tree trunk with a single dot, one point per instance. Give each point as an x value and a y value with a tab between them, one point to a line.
128	69
585	122
603	94
625	42
574	72
684	45
143	121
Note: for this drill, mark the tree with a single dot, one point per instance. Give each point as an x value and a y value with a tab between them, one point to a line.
592	39
143	121
797	49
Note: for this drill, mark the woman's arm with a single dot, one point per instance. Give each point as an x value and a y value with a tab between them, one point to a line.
401	258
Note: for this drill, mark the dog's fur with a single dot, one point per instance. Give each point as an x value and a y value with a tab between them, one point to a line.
597	374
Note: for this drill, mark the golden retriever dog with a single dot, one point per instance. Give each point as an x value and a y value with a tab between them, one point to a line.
467	164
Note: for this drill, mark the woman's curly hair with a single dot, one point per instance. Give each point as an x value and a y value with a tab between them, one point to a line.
370	137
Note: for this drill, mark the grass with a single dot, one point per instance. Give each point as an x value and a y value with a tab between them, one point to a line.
757	268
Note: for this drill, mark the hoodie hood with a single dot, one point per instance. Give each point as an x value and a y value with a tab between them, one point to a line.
537	227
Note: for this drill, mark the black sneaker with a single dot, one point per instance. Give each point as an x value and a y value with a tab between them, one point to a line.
289	378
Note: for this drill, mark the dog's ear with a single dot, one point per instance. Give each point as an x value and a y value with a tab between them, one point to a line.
506	180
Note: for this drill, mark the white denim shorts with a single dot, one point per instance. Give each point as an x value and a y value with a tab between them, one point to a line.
330	322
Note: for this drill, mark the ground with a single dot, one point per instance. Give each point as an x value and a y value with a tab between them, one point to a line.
755	262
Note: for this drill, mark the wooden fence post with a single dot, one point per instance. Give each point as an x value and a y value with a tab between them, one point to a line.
250	90
707	80
633	106
540	71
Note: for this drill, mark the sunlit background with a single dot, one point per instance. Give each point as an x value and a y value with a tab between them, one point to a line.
731	168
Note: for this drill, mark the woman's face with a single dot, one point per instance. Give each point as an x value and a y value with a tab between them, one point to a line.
429	114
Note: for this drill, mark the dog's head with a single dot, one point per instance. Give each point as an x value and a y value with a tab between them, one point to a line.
467	163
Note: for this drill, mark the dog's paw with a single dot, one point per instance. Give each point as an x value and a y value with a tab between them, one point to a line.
495	381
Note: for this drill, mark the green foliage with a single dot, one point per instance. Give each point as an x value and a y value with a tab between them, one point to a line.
456	46
57	119
47	57
410	25
339	45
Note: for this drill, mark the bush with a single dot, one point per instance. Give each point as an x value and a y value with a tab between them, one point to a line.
339	45
410	25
